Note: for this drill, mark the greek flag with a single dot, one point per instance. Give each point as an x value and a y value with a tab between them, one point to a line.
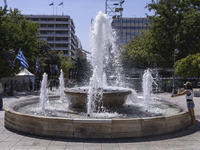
22	59
60	4
51	4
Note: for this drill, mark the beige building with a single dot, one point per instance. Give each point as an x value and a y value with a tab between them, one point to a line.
59	32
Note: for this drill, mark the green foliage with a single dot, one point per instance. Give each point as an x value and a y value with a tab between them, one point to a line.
17	32
175	25
46	57
134	53
65	64
83	70
137	52
188	66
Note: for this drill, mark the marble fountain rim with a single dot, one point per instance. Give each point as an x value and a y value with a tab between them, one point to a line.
81	128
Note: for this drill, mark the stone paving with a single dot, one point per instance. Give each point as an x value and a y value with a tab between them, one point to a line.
186	139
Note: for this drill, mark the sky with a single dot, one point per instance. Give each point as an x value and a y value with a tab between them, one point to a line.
81	11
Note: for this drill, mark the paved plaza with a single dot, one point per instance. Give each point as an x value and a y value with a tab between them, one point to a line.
186	139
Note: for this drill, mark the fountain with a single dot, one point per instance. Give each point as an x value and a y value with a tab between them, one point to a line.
101	110
62	87
98	96
43	92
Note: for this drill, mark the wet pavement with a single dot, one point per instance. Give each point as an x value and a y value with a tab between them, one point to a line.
185	139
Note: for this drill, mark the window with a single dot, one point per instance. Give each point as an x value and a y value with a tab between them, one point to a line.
61	45
61	32
43	32
43	25
35	19
62	19
58	19
50	39
62	25
65	19
61	38
50	25
50	32
43	19
50	19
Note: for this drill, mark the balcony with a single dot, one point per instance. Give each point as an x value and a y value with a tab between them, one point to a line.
46	22
62	35
58	42
60	48
53	29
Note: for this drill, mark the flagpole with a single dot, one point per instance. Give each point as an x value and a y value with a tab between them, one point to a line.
16	56
62	9
53	7
17	53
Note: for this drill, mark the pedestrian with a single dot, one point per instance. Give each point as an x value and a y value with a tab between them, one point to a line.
30	85
51	84
57	83
1	95
188	92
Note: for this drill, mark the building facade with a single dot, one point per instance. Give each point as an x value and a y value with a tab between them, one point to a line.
127	28
59	32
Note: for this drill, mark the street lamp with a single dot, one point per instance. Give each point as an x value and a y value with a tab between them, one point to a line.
174	55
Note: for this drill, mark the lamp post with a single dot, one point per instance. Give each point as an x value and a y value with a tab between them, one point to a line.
174	55
12	64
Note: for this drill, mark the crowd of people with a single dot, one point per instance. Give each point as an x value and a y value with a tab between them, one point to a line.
68	83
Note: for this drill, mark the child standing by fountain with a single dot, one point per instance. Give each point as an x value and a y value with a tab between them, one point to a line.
189	99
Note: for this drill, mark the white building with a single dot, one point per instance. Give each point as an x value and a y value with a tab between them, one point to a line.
58	31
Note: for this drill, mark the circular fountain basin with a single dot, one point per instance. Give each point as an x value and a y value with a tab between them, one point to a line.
90	127
112	97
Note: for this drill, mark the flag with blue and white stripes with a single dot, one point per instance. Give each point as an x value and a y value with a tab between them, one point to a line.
51	4
60	4
22	59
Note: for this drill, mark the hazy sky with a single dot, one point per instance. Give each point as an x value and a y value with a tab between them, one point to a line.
81	11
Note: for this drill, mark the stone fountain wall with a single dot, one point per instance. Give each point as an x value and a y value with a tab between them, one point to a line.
91	128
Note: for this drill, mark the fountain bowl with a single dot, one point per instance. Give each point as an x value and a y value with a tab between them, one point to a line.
112	97
90	128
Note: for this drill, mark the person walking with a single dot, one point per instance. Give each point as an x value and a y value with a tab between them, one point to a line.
1	95
51	84
188	92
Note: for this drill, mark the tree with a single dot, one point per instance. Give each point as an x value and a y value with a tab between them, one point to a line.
83	68
188	66
17	32
46	57
65	64
175	25
137	52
